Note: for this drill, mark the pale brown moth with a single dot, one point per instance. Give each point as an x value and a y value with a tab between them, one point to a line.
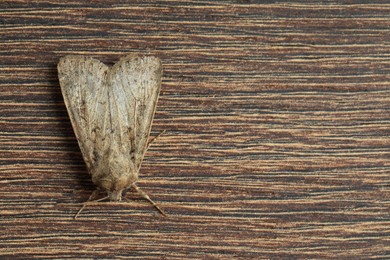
111	111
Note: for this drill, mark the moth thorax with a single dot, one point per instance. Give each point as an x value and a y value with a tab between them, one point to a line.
114	173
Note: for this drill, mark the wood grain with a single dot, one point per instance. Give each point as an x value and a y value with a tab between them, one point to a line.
277	119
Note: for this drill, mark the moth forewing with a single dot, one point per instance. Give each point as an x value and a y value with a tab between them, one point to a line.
111	110
81	79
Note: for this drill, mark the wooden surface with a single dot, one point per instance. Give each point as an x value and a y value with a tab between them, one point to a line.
277	120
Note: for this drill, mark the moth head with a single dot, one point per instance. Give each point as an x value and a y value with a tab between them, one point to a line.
114	173
114	185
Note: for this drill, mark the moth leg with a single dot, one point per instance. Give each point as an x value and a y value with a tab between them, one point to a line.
154	139
91	198
145	196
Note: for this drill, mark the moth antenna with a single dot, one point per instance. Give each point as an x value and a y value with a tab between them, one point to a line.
86	203
89	201
145	196
78	212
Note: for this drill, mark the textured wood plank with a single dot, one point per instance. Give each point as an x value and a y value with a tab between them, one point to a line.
277	118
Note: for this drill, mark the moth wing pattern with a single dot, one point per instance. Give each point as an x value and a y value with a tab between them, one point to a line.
135	82
82	82
111	108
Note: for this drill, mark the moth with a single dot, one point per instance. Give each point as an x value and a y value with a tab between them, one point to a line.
111	111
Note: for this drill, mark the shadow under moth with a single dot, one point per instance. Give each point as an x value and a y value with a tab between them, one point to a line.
111	111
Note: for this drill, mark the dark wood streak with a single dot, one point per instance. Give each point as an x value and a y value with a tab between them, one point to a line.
277	130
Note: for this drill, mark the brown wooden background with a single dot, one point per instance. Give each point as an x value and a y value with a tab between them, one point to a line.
277	118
